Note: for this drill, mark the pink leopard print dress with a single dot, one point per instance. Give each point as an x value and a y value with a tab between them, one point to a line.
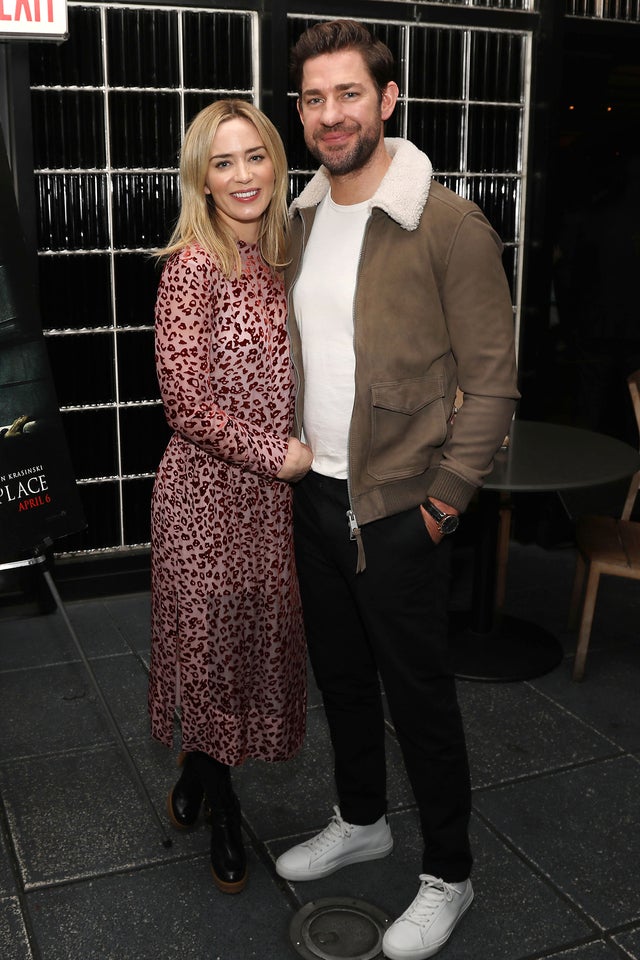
227	638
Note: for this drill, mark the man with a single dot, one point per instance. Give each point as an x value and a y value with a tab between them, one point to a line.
396	295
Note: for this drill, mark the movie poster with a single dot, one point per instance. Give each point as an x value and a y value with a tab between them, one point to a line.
38	494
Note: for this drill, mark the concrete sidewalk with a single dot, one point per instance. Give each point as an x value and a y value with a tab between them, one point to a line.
556	826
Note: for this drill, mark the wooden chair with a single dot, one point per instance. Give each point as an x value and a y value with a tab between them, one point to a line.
605	546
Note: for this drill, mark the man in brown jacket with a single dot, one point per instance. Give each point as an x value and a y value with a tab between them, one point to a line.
397	296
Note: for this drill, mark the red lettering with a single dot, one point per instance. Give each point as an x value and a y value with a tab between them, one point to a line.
20	5
31	503
28	10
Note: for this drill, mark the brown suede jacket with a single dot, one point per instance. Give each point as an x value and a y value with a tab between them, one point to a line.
432	312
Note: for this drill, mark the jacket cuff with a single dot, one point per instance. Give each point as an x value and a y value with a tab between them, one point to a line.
450	488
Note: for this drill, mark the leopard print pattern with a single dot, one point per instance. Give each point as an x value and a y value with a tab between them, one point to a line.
227	638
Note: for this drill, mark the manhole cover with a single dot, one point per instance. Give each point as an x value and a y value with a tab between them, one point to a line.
338	928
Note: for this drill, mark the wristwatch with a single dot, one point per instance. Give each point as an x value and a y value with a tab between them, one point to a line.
447	522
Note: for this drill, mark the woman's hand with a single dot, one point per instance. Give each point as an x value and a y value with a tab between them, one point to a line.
297	461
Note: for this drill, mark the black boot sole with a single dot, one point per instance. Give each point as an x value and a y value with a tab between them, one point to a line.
225	887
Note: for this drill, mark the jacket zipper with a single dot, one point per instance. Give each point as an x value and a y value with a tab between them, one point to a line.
355	533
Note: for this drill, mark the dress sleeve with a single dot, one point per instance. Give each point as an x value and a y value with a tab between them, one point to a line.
183	332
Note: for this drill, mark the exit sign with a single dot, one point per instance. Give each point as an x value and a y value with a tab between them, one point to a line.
33	19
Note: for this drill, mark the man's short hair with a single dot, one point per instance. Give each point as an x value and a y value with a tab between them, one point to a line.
329	36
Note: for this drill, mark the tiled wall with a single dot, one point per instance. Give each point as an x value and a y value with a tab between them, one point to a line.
464	100
525	5
622	10
109	109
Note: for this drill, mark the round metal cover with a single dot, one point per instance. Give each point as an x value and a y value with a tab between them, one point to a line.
338	928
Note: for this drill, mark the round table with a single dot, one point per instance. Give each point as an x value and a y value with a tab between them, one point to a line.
540	457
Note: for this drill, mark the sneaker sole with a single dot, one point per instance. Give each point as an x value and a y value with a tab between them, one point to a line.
435	948
345	861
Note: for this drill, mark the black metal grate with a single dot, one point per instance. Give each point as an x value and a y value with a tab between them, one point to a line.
338	928
110	106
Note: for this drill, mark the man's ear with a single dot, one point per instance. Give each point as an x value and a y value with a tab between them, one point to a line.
299	108
389	99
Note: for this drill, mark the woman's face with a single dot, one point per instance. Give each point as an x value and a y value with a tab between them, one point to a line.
240	177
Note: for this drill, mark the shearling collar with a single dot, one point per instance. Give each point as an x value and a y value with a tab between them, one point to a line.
402	193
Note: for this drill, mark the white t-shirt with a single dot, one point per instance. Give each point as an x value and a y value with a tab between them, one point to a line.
323	302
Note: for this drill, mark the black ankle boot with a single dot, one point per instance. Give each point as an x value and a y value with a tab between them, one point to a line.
185	799
228	857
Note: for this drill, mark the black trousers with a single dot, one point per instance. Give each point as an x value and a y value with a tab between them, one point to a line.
388	622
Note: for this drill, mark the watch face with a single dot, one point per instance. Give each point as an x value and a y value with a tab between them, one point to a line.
449	524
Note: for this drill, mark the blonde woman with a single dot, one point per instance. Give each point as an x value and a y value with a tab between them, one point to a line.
227	641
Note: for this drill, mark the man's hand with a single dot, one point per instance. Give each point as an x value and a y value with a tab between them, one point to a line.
430	523
297	461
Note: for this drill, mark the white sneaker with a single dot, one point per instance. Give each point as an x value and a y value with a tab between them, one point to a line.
429	921
334	847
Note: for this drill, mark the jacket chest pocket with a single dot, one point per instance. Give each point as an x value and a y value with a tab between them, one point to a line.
408	420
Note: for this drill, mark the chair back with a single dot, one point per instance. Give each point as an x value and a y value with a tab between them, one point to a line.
633	382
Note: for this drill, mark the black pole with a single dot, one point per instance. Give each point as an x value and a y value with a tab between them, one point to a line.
275	65
542	186
15	119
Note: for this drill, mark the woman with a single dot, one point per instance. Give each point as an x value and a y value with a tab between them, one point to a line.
227	641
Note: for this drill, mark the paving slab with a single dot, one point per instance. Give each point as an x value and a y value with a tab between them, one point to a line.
629	941
607	698
597	950
79	816
131	615
581	828
40	641
8	885
167	912
14	942
52	708
512	731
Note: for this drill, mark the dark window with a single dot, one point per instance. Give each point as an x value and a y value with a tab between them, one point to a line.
75	292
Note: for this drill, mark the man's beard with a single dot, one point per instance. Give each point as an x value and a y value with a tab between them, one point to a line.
356	157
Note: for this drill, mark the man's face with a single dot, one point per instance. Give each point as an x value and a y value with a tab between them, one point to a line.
342	111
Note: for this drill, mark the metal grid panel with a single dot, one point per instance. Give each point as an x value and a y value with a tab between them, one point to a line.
520	5
109	111
110	108
464	100
623	10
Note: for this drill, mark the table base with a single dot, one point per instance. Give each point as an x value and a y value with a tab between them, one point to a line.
514	650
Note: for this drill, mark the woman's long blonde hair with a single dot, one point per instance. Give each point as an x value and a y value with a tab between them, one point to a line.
198	221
